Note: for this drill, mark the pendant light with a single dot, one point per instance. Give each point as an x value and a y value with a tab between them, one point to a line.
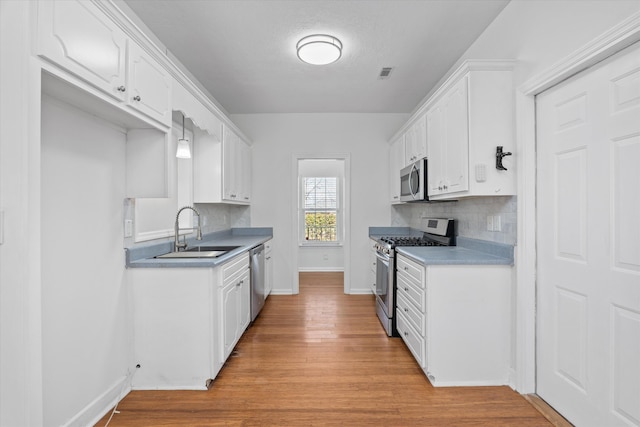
183	151
319	49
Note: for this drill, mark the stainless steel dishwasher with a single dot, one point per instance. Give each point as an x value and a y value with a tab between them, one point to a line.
257	280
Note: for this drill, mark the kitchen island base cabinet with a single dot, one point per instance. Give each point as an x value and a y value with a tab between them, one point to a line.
456	321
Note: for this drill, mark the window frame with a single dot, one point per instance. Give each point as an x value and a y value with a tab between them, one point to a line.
302	211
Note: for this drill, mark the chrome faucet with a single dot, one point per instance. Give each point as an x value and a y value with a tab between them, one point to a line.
177	246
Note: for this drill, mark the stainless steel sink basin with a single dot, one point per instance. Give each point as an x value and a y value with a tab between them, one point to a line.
200	252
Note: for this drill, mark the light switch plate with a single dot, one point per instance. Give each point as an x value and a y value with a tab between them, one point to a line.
128	228
489	223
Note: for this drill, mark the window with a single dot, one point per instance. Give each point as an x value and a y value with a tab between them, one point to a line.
320	217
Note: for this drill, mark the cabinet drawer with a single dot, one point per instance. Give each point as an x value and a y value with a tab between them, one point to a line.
415	317
412	339
235	266
410	291
406	266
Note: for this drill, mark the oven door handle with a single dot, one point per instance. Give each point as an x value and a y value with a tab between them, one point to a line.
386	261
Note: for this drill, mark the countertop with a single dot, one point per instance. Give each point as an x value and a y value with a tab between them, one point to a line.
467	251
451	255
142	256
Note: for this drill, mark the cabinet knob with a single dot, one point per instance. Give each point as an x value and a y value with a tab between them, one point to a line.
406	289
406	334
406	269
445	187
137	98
439	187
121	89
406	310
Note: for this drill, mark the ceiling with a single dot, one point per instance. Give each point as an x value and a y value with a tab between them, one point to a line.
243	51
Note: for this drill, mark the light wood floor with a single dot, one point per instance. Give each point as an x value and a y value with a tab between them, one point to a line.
321	358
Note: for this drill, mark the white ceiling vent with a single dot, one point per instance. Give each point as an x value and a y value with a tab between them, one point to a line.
385	73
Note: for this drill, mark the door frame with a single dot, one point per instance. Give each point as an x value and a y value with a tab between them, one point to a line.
346	197
609	43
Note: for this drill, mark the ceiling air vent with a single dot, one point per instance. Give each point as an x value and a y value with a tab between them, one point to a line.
385	73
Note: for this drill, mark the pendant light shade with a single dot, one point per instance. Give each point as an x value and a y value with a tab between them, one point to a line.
183	151
319	49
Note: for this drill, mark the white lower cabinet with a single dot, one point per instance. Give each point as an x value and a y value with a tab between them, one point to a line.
234	310
455	320
186	322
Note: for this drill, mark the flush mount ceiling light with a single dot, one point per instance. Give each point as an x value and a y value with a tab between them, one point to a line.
319	49
183	151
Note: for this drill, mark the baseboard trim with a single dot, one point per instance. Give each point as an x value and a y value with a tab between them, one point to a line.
100	406
547	411
366	291
320	270
281	292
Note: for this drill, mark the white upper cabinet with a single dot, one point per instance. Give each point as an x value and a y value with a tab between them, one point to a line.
236	168
467	119
396	163
463	123
416	141
447	124
149	85
78	37
222	169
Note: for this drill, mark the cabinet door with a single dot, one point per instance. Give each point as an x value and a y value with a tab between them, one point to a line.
149	86
456	148
396	162
230	324
78	37
435	136
244	302
420	139
409	143
229	165
244	171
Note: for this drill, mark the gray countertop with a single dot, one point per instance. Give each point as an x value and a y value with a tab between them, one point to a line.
467	252
142	256
451	255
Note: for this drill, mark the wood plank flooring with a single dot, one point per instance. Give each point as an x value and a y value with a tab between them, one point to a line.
321	358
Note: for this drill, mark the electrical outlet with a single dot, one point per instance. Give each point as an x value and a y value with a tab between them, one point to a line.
489	223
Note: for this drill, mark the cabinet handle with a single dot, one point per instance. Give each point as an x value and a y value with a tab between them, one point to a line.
406	289
406	334
439	187
121	89
445	187
137	98
406	269
406	310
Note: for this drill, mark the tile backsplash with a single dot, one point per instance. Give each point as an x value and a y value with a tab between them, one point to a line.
217	217
471	215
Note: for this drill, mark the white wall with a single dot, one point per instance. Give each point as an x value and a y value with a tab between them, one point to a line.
540	33
85	325
277	137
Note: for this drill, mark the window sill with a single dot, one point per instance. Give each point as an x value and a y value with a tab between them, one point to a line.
320	244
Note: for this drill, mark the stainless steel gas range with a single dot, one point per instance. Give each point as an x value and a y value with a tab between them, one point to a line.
440	232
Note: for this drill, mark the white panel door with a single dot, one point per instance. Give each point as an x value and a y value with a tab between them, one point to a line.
588	343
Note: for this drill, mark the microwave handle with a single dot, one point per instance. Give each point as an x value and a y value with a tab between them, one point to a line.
413	168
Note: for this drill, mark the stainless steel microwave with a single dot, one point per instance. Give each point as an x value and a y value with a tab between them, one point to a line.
413	182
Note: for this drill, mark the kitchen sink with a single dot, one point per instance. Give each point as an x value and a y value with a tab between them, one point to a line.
200	252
